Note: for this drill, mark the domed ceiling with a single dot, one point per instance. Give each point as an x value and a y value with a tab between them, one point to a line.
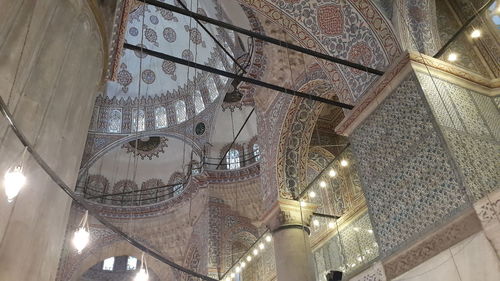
173	34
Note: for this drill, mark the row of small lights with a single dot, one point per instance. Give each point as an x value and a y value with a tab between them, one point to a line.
476	33
332	173
240	265
14	181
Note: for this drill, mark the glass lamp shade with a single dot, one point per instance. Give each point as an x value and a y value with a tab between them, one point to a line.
81	239
14	180
142	275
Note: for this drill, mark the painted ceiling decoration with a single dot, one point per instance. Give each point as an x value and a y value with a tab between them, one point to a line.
147	147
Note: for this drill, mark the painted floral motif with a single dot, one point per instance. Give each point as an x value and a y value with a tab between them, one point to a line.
187	55
150	35
169	68
124	77
330	19
169	34
148	76
167	15
195	36
360	53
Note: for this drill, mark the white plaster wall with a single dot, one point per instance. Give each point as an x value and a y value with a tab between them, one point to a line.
470	260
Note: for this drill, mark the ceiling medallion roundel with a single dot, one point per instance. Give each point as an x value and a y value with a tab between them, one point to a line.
167	15
195	36
124	77
154	19
133	31
168	68
147	148
148	76
169	34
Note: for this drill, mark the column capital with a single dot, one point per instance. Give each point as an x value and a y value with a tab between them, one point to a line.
287	213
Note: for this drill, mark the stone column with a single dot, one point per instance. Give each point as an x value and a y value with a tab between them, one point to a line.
289	223
50	67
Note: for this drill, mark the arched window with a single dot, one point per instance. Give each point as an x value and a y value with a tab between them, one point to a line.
199	106
160	117
108	264
180	111
115	121
138	120
131	263
213	93
494	11
233	159
256	151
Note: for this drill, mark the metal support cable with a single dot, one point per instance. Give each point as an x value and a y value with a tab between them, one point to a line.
212	36
262	37
77	199
236	76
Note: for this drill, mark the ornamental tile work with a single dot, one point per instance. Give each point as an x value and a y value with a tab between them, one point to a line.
470	124
349	251
409	181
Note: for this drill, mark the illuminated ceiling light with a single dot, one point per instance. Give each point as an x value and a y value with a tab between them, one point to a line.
82	235
332	173
322	183
303	203
255	252
249	258
312	194
331	225
452	57
476	33
233	275
268	238
261	246
142	274
243	264
237	269
344	163
13	181
315	222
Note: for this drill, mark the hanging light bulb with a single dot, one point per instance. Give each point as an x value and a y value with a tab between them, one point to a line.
332	173
255	252
249	258
322	183
268	238
315	222
476	33
14	179
142	274
312	194
344	163
261	246
452	57
331	225
243	264
237	269
82	234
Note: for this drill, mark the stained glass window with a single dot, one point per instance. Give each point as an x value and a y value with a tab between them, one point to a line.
213	93
233	159
131	263
160	117
141	125
115	121
199	106
256	151
108	264
180	111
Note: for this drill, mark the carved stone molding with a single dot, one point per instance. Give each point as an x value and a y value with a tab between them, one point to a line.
289	213
488	211
462	227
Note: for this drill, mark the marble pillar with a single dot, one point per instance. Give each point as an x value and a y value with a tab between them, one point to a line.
51	62
289	223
